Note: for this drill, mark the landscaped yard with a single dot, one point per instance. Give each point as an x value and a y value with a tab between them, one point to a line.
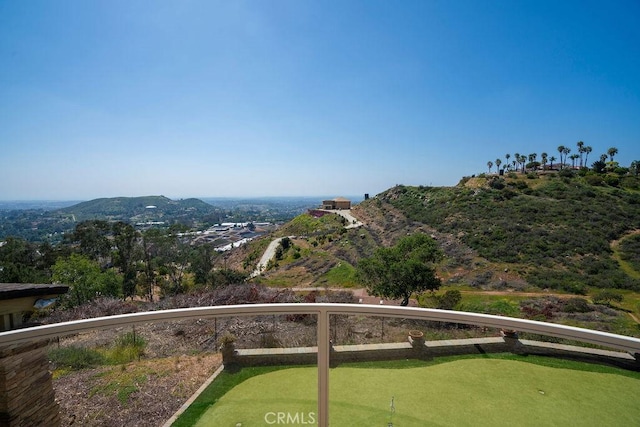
492	390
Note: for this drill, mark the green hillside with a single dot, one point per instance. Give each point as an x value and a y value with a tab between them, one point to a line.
521	232
557	231
135	209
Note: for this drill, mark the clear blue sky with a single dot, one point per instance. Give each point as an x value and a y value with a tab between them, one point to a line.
282	98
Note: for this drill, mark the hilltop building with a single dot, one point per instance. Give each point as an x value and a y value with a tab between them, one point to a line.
337	203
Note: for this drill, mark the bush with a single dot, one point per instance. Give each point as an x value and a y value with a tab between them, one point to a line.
566	173
576	305
497	183
595	180
612	180
606	296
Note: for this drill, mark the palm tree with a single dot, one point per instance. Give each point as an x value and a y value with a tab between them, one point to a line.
552	159
498	163
587	150
566	152
612	152
544	156
561	149
580	145
523	161
573	158
507	156
603	158
490	164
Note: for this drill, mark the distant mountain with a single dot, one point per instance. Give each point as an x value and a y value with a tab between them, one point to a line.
137	208
134	207
50	225
47	205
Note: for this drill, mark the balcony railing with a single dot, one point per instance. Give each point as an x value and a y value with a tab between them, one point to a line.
323	312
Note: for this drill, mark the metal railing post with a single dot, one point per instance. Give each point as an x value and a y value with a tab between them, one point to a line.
324	349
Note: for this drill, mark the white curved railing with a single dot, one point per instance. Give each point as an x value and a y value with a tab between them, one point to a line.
323	311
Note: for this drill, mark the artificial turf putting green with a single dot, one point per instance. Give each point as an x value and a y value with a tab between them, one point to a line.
472	392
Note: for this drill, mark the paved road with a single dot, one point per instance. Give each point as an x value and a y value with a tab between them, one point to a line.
346	214
268	254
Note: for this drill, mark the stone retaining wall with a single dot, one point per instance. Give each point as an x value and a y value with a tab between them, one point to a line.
26	391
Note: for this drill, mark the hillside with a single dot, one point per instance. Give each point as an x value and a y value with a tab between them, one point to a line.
137	209
518	232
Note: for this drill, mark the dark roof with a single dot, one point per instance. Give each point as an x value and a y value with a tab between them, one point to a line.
20	290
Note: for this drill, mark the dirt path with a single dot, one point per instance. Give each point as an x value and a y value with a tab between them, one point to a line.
518	294
626	266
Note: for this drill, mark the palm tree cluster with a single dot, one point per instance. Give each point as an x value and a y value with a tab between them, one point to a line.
579	160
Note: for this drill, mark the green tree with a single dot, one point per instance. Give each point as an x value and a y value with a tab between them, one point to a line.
125	239
201	264
19	261
561	149
449	300
523	162
587	150
573	158
85	279
599	166
634	169
606	296
566	152
612	152
169	257
92	239
580	145
401	270
490	165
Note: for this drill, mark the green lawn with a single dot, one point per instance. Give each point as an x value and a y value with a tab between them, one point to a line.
464	391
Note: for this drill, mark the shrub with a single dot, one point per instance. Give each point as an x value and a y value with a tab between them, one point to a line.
497	183
606	296
566	173
612	180
576	305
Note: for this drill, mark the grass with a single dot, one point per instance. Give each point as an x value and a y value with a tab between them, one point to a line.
223	383
342	275
463	390
128	347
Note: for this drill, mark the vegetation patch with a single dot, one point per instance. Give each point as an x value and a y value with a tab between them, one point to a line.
342	275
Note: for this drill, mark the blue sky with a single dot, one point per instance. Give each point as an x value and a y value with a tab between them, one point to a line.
288	98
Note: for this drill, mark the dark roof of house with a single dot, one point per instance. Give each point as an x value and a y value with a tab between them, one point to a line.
20	290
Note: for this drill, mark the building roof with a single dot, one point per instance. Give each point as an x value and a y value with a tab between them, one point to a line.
20	290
